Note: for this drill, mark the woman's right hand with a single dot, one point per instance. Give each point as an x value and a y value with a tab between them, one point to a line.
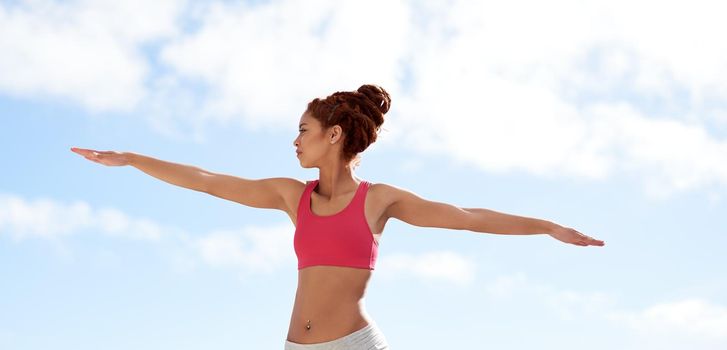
110	158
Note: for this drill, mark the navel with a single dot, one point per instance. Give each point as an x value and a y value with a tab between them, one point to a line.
307	327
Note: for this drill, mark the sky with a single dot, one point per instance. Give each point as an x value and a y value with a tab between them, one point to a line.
608	117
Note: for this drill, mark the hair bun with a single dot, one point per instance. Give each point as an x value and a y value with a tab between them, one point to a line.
377	95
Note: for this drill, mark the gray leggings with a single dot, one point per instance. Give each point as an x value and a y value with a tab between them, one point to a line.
367	338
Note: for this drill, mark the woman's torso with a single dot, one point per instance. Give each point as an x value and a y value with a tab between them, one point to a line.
331	297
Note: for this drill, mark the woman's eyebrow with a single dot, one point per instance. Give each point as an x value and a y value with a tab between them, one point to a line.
301	124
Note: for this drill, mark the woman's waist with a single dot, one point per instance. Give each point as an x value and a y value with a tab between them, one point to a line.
327	304
309	325
339	292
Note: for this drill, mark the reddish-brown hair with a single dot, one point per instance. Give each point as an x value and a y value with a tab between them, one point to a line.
360	114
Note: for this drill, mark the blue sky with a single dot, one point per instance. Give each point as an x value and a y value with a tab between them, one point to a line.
602	117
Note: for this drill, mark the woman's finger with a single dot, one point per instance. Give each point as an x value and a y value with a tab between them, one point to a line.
85	152
81	150
596	241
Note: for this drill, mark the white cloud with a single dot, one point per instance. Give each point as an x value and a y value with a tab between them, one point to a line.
259	249
585	89
87	51
435	267
673	155
264	62
492	127
504	286
675	52
50	219
688	323
537	90
568	304
491	85
694	317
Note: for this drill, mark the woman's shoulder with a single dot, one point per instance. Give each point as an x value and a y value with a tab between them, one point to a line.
384	193
383	187
291	189
390	194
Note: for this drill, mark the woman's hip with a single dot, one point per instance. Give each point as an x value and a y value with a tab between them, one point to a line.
369	337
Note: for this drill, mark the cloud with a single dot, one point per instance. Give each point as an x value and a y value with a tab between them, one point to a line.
435	267
592	92
688	323
674	54
673	155
259	249
541	91
567	304
693	317
46	218
262	63
90	52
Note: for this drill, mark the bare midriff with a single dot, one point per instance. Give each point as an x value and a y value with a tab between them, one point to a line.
329	304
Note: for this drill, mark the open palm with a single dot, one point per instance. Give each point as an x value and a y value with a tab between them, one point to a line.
110	158
569	235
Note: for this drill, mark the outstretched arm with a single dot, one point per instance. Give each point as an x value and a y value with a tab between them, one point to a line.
181	175
258	193
412	209
485	220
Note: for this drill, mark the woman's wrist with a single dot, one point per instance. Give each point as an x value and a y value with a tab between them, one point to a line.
550	227
130	157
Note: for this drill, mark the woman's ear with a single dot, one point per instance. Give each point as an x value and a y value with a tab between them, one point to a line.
336	132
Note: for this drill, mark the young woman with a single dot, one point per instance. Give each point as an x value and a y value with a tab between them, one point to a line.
339	217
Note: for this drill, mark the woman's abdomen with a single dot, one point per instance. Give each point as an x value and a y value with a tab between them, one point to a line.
326	308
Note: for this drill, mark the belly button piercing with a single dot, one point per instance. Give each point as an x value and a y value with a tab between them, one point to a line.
307	327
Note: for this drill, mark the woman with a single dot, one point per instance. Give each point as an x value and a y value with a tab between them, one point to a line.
339	218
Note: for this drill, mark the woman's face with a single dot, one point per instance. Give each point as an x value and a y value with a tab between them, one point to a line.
312	142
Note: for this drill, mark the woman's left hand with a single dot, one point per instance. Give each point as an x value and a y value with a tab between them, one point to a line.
569	235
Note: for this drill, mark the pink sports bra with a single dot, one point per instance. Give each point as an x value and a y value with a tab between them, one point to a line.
342	239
